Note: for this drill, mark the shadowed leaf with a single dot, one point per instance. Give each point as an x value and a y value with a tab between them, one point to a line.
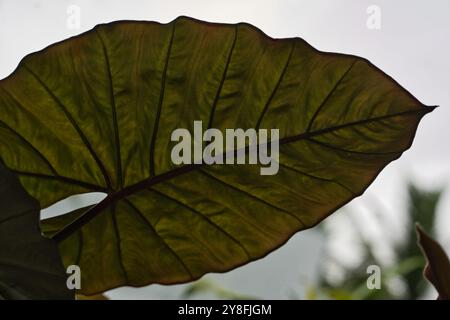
437	269
30	265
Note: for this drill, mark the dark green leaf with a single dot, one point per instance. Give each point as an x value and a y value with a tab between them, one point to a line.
30	265
437	269
95	113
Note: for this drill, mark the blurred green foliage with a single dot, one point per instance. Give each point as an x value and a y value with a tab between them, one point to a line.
210	287
409	261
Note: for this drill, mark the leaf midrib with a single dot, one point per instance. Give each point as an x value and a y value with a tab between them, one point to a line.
144	184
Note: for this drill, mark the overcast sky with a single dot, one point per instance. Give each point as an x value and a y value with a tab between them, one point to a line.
412	45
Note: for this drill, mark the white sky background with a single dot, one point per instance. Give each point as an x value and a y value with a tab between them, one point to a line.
412	46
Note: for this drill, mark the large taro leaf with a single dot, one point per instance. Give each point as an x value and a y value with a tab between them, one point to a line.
96	112
30	265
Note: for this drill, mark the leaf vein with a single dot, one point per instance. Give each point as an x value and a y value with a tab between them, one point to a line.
272	95
336	85
119	242
325	145
222	81
205	218
32	147
254	197
160	104
163	241
83	184
114	113
75	126
318	178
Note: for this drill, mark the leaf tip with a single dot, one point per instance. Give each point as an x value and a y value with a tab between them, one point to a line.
429	109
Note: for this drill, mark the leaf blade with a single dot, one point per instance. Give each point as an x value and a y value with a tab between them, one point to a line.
334	112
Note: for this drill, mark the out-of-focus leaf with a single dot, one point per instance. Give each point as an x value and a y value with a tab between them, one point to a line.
409	259
30	265
96	112
437	269
210	287
422	206
99	296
